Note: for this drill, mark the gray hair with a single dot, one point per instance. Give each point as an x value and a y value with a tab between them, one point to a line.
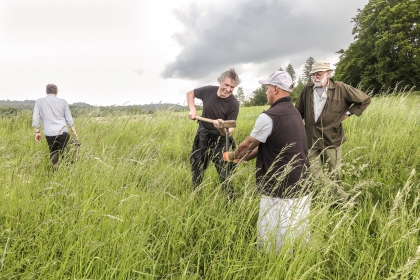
231	74
51	88
329	73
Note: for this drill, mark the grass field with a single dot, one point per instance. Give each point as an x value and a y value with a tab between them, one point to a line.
126	209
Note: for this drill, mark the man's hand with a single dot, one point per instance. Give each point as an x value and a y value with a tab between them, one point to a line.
221	130
37	136
216	123
228	157
192	114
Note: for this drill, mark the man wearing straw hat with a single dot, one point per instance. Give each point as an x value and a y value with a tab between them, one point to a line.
324	104
278	141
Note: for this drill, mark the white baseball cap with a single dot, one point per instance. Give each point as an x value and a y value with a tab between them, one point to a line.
281	79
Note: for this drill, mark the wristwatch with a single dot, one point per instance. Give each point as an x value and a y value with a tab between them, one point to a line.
348	113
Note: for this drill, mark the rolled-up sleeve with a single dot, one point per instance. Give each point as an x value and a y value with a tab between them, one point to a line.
36	118
67	116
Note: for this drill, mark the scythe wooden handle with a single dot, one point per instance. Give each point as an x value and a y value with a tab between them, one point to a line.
203	119
223	124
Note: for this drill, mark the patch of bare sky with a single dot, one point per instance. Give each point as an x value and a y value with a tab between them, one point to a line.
265	33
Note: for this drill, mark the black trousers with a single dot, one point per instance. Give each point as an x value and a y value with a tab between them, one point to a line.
56	144
210	147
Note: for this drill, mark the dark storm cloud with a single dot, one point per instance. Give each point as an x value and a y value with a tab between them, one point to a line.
258	32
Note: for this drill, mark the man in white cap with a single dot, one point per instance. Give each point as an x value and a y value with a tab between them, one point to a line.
278	141
324	104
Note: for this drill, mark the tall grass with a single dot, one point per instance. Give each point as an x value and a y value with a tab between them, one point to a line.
126	209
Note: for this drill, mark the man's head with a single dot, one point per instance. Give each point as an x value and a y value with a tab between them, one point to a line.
320	73
279	84
51	89
228	81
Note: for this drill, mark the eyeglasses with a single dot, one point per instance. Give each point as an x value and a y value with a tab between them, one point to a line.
318	74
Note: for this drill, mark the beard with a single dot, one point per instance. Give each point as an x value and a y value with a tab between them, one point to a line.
318	83
321	82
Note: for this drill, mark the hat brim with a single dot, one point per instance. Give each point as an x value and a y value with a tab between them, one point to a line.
320	70
264	82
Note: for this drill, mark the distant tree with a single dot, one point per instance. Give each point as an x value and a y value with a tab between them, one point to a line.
80	104
386	50
291	71
281	69
306	71
8	112
297	89
240	95
258	97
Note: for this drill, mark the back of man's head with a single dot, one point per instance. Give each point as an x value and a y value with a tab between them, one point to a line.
281	79
51	89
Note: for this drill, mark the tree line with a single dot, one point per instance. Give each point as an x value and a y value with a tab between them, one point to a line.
12	108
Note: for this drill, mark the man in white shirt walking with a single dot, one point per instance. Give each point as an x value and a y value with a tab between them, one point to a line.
55	115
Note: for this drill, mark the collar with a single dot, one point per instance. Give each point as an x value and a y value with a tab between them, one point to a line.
283	99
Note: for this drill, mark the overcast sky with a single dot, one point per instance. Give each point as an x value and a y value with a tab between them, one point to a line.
106	52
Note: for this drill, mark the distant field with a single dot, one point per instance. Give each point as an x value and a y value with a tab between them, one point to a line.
126	209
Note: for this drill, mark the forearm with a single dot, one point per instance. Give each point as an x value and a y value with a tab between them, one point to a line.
358	108
67	116
358	99
73	129
251	155
247	150
243	150
242	155
190	100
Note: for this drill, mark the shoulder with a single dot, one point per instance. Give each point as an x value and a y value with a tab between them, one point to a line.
333	84
338	84
345	87
263	117
233	99
205	92
61	101
263	121
308	87
206	88
40	100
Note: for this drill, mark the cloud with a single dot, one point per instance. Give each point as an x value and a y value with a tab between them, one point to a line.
258	32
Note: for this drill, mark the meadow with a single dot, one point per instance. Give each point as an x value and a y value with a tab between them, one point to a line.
126	208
